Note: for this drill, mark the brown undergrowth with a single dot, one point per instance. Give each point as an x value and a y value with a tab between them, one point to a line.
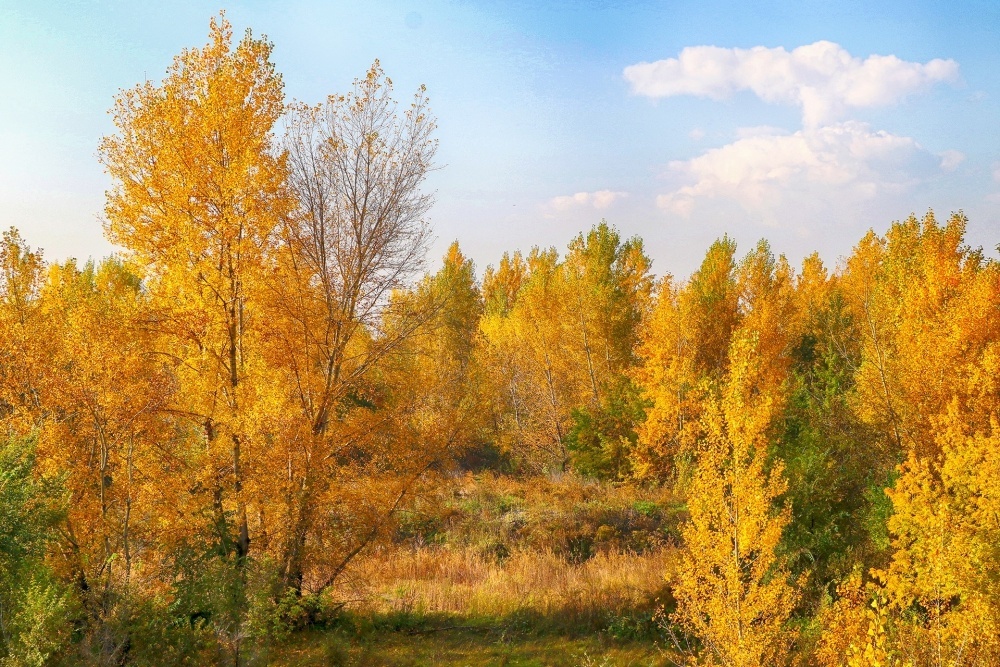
570	554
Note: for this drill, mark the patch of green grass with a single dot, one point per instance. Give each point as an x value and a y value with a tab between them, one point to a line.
411	640
462	646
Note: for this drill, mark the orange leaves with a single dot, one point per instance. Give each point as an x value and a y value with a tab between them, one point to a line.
198	192
686	342
77	367
192	161
25	340
926	305
669	378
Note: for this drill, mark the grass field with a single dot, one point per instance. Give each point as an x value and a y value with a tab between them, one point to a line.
444	644
504	572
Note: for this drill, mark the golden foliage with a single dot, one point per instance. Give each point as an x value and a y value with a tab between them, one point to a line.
263	377
559	335
732	590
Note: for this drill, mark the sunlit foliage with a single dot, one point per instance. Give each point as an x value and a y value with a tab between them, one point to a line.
203	436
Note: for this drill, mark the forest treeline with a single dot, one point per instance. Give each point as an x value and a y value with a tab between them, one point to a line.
203	433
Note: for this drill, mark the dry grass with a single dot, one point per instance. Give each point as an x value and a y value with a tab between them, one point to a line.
509	571
464	582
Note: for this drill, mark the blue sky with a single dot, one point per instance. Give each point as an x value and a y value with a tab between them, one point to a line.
807	124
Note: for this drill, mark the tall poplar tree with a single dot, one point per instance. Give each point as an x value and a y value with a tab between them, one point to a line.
198	190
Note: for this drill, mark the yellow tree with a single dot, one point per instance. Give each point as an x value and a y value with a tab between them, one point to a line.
535	323
522	336
25	337
443	346
562	336
685	339
436	370
945	529
732	590
667	378
197	194
925	304
104	435
522	408
605	290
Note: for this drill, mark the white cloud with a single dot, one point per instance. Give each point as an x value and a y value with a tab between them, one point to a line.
782	176
601	199
996	172
951	159
822	78
697	134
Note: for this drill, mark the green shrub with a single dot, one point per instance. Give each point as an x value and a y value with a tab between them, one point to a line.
40	629
35	610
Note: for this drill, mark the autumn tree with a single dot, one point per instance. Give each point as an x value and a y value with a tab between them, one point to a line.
443	370
562	336
25	341
943	573
106	418
198	193
435	402
732	591
519	407
356	234
521	333
925	303
684	340
608	287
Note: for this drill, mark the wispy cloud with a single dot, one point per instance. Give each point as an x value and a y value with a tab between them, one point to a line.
600	199
822	78
950	160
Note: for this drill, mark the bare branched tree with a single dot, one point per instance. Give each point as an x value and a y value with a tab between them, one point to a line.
356	169
356	165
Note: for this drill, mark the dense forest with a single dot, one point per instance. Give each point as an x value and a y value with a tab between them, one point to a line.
267	424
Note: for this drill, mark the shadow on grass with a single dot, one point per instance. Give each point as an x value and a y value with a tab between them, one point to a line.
524	638
633	624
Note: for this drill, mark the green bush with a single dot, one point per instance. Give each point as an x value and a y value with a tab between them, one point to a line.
35	610
40	627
